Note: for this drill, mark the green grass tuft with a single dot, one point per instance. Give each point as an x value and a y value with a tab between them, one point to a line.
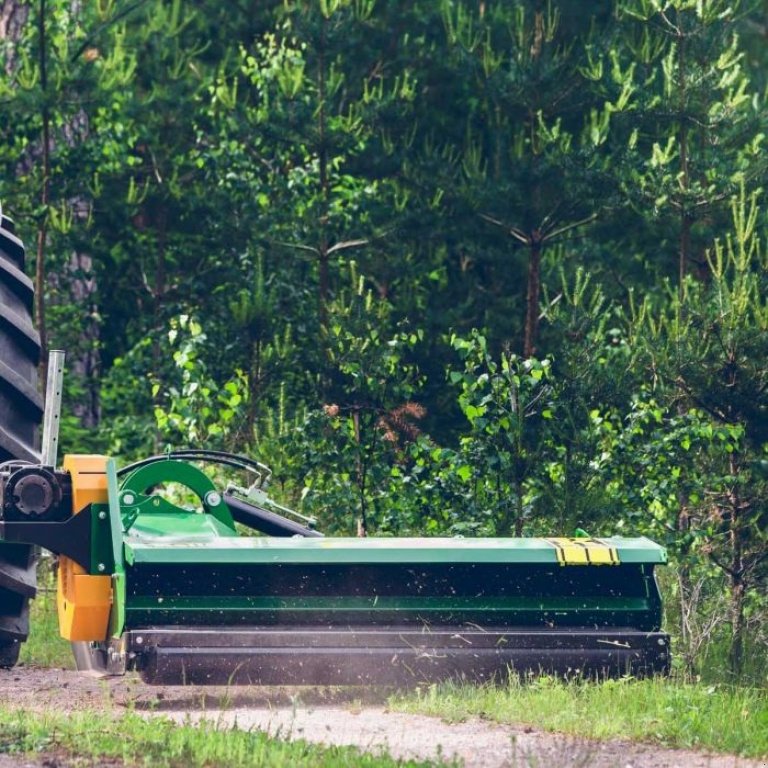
159	743
731	720
45	647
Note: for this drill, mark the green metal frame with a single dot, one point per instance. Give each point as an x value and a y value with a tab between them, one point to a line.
185	576
199	602
175	533
135	501
139	533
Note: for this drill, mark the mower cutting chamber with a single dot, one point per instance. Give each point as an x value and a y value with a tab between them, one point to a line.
180	595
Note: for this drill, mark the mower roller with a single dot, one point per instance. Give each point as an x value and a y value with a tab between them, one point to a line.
162	572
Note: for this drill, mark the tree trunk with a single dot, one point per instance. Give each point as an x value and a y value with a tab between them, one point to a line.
685	586
736	576
13	19
42	229
160	222
254	389
736	650
685	181
532	299
74	286
325	187
360	475
323	285
685	249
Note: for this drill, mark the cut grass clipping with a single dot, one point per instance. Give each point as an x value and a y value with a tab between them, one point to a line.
158	743
732	720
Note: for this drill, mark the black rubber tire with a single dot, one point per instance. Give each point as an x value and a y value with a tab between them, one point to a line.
21	412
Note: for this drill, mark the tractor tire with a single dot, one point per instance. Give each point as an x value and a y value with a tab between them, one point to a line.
21	412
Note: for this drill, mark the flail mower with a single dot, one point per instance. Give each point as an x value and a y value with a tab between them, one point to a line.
228	587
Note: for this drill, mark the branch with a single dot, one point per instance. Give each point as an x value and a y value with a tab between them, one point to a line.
551	304
675	29
297	246
104	25
756	562
711	410
518	234
346	244
720	565
551	217
568	227
342	246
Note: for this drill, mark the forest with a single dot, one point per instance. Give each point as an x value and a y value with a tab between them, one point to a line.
463	267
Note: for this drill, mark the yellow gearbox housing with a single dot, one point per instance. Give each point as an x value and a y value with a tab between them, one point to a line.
84	601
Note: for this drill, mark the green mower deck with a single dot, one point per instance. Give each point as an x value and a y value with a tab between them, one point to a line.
193	600
208	608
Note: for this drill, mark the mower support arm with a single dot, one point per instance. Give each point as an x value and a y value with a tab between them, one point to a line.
262	520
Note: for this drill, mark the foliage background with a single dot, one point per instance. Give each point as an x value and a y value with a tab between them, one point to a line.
449	267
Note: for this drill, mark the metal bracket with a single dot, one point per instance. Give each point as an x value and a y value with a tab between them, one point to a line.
257	496
71	538
101	659
52	413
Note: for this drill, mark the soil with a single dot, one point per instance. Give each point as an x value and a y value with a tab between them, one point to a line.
336	716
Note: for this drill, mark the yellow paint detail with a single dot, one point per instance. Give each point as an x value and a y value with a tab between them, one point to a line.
89	479
584	552
84	601
601	554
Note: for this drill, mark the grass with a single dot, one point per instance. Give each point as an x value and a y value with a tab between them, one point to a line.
674	713
45	647
134	741
671	713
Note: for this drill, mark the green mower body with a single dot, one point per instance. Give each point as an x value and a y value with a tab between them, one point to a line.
181	594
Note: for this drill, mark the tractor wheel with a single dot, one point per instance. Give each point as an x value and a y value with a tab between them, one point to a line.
21	412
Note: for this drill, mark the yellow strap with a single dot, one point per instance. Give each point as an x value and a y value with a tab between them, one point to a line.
584	552
601	553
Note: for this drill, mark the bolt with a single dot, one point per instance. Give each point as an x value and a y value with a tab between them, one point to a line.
128	498
212	499
662	641
102	515
139	640
101	567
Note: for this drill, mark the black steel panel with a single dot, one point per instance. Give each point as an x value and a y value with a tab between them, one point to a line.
543	581
222	594
387	656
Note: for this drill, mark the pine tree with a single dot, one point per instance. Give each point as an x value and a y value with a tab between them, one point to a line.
533	133
692	125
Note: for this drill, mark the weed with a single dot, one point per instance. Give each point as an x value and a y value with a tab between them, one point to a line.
670	712
162	744
45	647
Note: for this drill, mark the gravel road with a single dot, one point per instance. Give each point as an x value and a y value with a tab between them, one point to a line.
346	716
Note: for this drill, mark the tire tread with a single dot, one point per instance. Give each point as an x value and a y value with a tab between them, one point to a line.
21	410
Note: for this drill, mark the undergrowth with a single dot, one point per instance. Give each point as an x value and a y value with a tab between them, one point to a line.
668	712
45	647
162	744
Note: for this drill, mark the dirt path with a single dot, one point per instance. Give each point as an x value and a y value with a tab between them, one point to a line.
342	717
